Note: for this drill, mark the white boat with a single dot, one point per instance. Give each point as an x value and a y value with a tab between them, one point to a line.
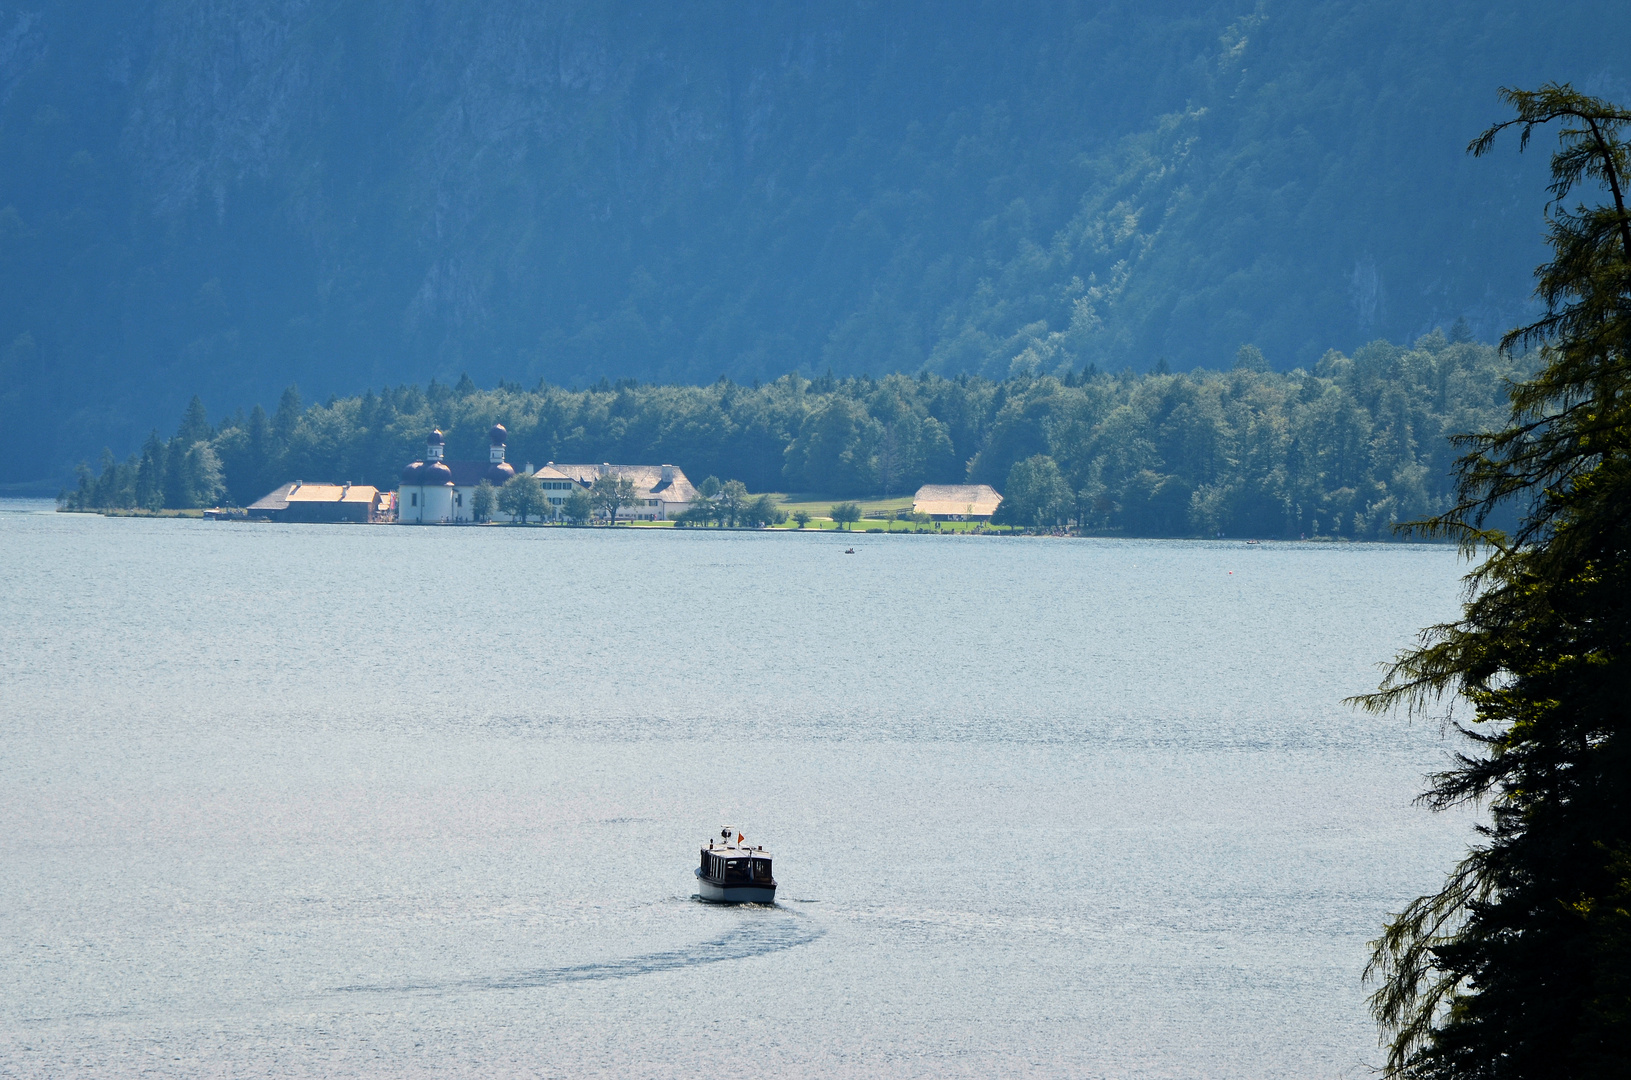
735	873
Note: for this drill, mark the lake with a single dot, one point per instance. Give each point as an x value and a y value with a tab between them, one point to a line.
283	800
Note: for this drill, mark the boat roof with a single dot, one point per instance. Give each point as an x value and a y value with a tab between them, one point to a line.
732	851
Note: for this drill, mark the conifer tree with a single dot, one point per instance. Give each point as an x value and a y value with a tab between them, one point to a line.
150	473
287	417
1520	966
259	455
195	424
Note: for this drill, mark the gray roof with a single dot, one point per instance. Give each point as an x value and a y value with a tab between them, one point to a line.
648	479
276	499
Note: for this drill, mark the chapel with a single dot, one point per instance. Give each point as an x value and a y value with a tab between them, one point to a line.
436	491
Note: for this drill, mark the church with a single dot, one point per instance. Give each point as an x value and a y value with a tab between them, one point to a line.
439	492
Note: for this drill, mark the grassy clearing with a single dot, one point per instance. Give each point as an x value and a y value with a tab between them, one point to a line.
827	525
820	505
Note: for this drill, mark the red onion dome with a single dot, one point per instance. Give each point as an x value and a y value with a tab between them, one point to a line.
413	474
497	435
436	438
436	473
500	472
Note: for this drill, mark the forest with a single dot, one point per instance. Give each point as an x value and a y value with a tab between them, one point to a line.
1344	450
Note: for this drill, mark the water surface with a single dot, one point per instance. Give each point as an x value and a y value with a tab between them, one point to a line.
375	801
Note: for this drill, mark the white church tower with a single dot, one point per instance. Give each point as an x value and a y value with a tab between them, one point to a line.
426	495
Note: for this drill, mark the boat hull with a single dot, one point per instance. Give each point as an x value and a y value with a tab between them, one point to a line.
734	894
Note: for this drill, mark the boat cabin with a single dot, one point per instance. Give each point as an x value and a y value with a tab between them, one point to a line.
731	865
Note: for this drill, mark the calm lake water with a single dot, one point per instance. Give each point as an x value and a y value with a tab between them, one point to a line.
371	801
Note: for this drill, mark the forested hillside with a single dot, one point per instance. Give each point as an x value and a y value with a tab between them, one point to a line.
224	196
1345	450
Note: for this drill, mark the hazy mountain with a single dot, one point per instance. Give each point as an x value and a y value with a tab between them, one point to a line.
224	196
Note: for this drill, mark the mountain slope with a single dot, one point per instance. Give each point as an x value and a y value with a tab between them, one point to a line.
224	197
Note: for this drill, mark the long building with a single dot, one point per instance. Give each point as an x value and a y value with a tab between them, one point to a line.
661	492
301	501
957	502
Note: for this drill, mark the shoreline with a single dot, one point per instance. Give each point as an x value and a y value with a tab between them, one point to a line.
967	529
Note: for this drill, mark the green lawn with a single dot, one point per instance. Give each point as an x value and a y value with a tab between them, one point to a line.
819	505
827	525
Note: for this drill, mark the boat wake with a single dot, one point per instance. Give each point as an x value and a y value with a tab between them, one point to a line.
757	937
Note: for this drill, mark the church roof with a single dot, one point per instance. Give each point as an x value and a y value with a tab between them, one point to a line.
468	473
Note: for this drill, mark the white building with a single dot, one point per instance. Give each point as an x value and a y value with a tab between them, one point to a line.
435	491
557	486
426	494
661	492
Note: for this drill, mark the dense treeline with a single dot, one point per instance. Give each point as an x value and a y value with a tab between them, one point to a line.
1345	449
